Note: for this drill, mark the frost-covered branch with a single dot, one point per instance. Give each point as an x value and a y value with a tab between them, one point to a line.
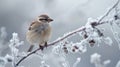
91	24
107	13
14	44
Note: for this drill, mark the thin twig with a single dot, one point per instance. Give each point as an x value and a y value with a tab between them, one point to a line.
107	13
71	33
53	43
27	56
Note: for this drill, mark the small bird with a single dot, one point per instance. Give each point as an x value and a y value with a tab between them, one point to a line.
39	32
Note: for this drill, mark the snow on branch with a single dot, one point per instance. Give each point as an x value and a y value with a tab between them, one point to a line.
107	13
90	33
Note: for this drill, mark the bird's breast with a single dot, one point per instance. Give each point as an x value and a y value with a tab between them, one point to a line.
39	35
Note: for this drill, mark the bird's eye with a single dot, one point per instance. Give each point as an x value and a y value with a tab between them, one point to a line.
43	19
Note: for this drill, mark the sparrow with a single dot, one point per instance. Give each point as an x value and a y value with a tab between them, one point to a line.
39	32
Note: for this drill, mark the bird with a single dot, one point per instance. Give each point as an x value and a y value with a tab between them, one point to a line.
39	32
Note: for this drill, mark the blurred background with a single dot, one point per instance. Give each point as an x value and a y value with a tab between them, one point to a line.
68	15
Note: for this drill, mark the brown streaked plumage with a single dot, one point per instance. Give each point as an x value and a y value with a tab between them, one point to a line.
39	31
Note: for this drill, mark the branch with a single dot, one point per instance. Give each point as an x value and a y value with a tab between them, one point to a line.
107	13
72	33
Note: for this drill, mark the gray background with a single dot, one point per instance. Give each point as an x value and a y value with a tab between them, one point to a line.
16	15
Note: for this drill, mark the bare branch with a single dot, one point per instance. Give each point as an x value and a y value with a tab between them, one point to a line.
72	33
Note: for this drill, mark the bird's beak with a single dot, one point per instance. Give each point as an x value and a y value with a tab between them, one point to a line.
50	20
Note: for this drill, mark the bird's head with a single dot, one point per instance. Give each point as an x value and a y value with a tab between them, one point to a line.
44	18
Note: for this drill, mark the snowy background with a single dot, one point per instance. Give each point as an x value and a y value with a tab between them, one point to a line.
16	15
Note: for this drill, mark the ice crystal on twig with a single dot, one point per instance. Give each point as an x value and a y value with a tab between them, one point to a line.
115	33
77	61
14	44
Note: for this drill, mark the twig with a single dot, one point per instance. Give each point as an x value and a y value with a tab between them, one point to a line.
53	43
71	33
107	13
26	56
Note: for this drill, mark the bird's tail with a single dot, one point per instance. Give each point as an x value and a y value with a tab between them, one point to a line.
30	48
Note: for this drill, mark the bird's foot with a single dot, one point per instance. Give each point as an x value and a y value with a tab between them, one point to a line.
41	47
46	44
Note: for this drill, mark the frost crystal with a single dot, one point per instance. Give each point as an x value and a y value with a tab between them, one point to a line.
82	47
77	61
65	64
15	40
43	64
108	41
89	22
118	23
57	49
96	59
116	34
14	44
9	58
79	47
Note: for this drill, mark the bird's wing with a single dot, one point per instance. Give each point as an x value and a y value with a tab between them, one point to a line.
37	27
30	27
